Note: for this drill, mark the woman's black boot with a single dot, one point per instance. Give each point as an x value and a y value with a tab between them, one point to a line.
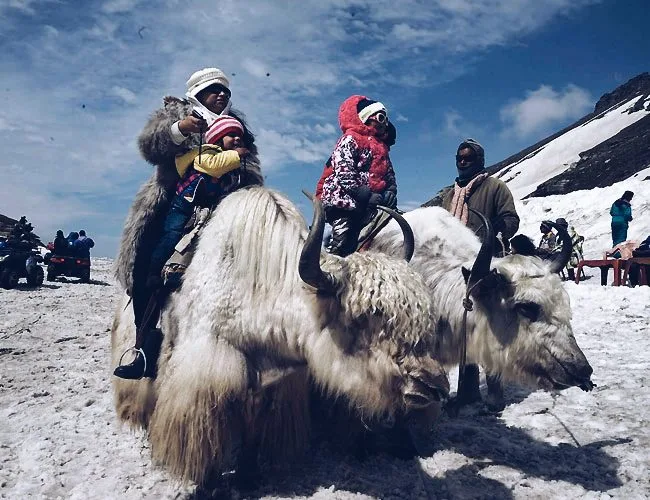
143	366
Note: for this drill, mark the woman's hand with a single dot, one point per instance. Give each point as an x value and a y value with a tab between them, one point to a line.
192	125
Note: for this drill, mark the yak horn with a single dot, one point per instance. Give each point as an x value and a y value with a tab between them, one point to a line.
481	266
562	258
309	265
409	239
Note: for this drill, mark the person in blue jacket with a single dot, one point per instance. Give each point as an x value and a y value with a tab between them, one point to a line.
621	213
82	245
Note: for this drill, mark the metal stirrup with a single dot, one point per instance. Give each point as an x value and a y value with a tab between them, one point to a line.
144	356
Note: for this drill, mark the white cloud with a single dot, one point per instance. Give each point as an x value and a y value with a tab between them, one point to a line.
401	118
85	58
119	6
545	108
325	129
452	122
125	94
254	67
409	205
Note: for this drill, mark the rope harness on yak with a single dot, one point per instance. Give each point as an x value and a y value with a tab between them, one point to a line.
468	306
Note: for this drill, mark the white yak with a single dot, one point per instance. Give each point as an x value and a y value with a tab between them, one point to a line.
520	326
363	330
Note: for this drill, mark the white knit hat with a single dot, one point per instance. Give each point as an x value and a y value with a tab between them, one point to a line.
204	78
369	109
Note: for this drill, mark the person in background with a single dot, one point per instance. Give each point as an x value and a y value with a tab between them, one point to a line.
476	189
576	248
642	251
548	242
61	244
522	245
621	213
83	244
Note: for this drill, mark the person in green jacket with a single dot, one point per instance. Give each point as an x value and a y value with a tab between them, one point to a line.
621	213
474	188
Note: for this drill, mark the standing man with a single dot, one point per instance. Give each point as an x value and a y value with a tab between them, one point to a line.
475	189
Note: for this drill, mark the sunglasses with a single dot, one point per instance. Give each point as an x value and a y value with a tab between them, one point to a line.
379	117
465	158
217	89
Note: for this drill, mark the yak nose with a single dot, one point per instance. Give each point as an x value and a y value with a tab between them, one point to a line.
585	371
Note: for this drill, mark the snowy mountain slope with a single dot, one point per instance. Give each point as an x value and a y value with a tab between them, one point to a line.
524	176
612	160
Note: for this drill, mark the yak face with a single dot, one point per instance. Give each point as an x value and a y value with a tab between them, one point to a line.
376	321
525	309
383	307
520	326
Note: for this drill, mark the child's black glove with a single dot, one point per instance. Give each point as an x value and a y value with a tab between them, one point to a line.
375	199
390	199
361	195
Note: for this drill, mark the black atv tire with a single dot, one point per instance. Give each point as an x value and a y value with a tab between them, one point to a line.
10	279
51	275
36	278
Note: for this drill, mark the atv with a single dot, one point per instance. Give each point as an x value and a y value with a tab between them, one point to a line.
66	265
17	263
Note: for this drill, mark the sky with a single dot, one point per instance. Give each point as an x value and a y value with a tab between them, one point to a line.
79	80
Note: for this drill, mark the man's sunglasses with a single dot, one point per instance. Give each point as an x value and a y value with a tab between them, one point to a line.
465	158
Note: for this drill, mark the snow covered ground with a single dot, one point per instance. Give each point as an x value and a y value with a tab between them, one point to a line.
59	437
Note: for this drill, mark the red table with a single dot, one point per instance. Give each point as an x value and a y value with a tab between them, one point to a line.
604	264
643	261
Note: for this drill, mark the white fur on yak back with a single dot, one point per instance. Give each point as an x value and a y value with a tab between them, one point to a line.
157	148
499	338
243	307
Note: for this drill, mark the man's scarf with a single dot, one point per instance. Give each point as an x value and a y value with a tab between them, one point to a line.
459	208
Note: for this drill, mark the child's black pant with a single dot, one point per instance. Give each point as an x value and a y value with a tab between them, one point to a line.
346	226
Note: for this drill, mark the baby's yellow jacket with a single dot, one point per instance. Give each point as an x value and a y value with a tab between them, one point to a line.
215	162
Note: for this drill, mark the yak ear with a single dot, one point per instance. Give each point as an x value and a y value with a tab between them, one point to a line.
466	273
488	285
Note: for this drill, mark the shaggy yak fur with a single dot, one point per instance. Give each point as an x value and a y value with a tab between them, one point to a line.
521	323
242	309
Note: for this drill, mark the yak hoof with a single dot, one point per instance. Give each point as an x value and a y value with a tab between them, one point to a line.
495	403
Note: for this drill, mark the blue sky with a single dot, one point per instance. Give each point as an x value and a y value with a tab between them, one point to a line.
78	82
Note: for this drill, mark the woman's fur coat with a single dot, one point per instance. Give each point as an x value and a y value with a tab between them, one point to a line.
151	202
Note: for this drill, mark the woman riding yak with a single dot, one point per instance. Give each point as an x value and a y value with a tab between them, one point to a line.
172	131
